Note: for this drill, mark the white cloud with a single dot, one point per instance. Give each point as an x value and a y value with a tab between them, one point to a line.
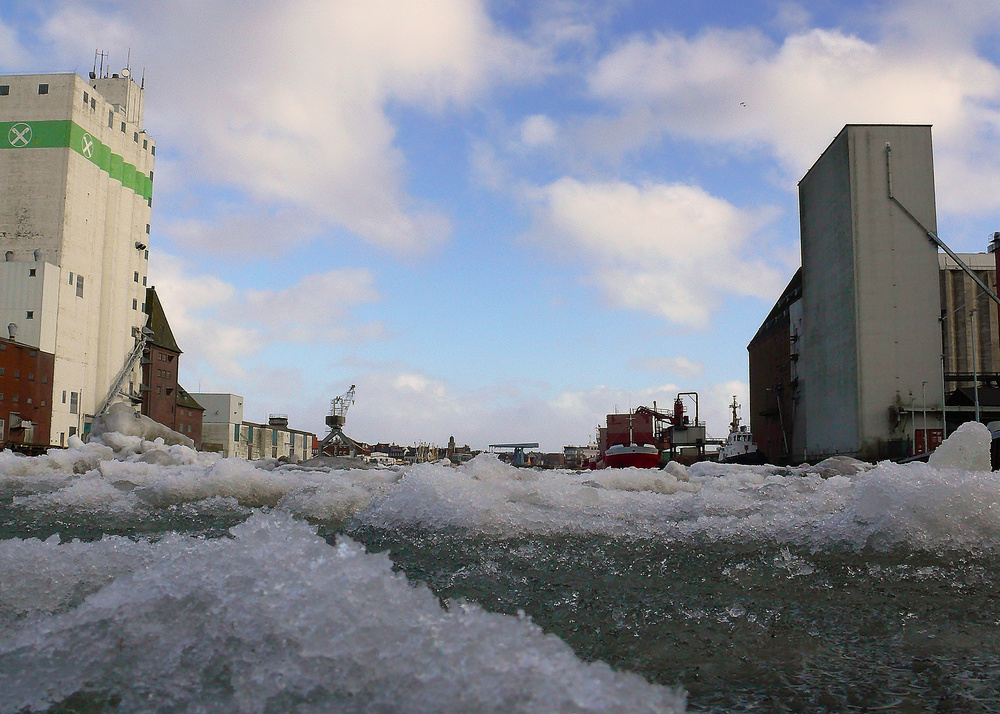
538	130
738	87
221	328
287	100
668	249
12	53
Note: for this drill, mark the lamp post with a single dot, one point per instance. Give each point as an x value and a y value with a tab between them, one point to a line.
975	364
923	401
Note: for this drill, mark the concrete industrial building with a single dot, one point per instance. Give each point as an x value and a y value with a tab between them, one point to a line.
75	201
224	431
880	344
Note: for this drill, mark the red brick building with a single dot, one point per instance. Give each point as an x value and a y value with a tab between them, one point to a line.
774	385
25	396
163	399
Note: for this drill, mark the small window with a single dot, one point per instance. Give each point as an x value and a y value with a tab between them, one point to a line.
1	396
159	389
71	277
123	127
14	398
4	90
45	380
31	377
145	143
146	255
79	286
150	175
93	104
64	396
43	89
144	304
152	150
29	400
72	431
147	229
17	374
135	276
135	304
43	403
144	282
32	272
86	99
29	315
1	371
74	402
135	137
111	118
149	201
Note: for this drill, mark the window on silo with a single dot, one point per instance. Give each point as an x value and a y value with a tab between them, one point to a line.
43	89
86	99
79	286
111	118
4	90
123	127
74	402
93	104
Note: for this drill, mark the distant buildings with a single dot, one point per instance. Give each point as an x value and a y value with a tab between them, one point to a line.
851	360
77	168
224	431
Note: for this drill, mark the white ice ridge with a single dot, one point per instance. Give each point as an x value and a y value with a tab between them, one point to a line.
274	619
952	502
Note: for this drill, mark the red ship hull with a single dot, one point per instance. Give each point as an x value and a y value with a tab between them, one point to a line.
620	456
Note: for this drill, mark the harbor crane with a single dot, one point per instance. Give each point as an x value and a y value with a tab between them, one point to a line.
336	419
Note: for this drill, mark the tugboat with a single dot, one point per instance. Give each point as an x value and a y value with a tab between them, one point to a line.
739	447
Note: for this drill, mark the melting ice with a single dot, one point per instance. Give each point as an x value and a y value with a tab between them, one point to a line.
140	576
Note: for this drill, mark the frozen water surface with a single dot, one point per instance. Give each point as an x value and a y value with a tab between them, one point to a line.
137	575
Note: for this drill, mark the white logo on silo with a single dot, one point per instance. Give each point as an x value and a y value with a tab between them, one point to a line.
88	145
19	135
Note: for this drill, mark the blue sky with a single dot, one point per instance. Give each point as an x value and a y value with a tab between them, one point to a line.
502	220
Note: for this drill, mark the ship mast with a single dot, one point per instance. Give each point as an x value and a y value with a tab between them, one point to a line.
734	426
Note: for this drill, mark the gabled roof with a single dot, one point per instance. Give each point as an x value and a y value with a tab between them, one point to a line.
186	400
157	322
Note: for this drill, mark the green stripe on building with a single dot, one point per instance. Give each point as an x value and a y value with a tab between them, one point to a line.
64	134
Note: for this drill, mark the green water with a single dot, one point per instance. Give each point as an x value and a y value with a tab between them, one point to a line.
742	628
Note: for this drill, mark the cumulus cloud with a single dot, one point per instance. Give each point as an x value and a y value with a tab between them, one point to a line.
791	98
672	250
286	100
222	327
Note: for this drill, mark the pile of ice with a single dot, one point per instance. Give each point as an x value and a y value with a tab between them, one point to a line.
952	502
273	619
123	427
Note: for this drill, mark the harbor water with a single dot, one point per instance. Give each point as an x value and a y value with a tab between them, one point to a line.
136	576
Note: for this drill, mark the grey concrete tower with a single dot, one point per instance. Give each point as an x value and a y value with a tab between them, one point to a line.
871	337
